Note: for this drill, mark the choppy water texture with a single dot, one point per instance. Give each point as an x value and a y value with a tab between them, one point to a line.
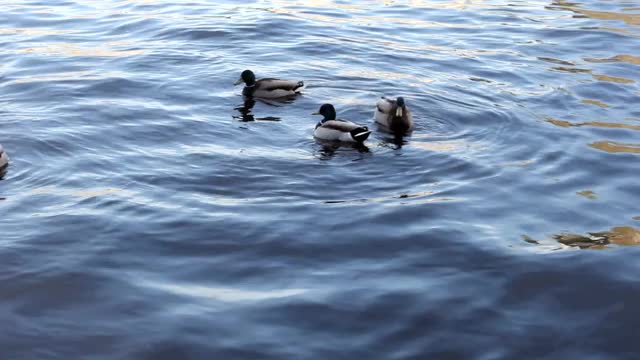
149	214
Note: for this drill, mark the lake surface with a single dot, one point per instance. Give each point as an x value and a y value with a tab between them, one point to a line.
150	213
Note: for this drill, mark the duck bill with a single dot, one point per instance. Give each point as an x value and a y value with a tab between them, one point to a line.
238	82
315	113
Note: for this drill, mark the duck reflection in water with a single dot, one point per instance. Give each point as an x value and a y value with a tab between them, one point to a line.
246	109
328	149
395	142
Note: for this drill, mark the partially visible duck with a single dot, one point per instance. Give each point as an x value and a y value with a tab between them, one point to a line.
394	115
4	159
334	129
267	88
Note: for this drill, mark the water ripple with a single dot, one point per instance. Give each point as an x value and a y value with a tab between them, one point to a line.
149	211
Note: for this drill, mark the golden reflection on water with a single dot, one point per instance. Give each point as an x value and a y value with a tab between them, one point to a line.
614	147
619	80
601	124
556	61
571	70
588	194
618	58
608	146
630	19
621	235
611	125
441	146
521	163
599	77
595	102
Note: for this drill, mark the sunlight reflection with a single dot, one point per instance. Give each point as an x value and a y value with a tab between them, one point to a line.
621	235
368	73
589	194
253	151
81	193
630	19
223	293
90	193
441	146
599	77
615	147
361	19
601	124
595	102
70	49
66	76
619	80
34	31
618	58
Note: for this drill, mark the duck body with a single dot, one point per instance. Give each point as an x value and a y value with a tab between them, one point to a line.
394	115
333	129
4	159
268	88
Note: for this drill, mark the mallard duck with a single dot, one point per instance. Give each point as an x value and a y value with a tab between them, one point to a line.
334	129
394	115
267	88
4	159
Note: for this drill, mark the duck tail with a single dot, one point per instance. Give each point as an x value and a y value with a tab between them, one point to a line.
360	134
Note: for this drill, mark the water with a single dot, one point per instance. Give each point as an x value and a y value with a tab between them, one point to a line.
148	214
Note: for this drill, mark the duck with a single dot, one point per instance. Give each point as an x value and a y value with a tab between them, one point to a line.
394	115
4	159
334	129
268	88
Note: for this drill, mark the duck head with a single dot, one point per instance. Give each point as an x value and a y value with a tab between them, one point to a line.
247	77
328	111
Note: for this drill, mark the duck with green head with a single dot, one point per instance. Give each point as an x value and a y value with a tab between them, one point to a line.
330	128
268	88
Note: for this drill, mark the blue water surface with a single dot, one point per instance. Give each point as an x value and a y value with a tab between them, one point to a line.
150	212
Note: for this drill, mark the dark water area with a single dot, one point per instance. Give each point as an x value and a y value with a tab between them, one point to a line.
149	213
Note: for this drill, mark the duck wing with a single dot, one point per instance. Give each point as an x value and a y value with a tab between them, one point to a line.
339	125
277	84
